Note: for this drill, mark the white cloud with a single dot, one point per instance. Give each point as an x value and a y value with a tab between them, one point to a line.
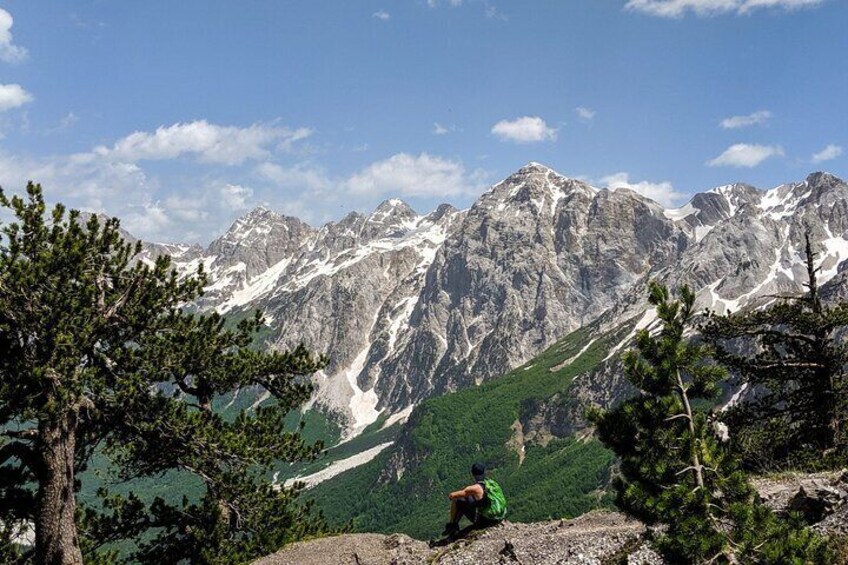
746	155
748	6
439	129
152	208
679	8
126	179
13	96
9	52
828	153
408	175
147	219
527	129
299	177
755	119
149	207
585	114
236	196
382	15
208	143
92	186
662	192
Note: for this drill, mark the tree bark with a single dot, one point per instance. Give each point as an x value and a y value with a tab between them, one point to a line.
56	541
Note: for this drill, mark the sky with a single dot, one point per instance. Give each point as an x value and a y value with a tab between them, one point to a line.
179	117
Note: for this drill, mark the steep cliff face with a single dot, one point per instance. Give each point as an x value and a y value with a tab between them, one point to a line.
536	257
413	306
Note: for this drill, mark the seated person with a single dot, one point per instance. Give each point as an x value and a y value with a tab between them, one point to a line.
482	503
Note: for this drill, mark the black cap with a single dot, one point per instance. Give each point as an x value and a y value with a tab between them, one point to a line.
478	470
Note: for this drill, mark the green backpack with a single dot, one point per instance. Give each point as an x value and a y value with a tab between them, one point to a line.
495	508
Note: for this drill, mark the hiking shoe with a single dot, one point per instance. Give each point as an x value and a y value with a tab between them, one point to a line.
450	529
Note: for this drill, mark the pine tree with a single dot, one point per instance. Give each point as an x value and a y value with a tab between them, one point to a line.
673	470
90	339
793	360
241	515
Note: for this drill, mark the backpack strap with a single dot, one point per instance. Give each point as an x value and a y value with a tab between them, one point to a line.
485	490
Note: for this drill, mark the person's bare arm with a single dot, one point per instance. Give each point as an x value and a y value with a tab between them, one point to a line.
474	490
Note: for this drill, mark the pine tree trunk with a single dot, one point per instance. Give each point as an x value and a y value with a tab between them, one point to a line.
204	401
55	529
694	459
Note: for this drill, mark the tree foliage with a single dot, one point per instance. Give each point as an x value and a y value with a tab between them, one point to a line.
674	472
99	356
792	357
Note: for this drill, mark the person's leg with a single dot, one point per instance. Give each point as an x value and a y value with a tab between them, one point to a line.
454	513
461	507
483	523
453	522
466	507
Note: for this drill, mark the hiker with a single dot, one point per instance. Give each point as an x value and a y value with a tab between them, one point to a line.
483	503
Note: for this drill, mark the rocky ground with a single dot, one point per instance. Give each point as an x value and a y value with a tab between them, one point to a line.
822	498
597	537
601	538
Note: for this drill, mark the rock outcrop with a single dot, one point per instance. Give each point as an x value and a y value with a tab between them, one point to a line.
594	538
599	537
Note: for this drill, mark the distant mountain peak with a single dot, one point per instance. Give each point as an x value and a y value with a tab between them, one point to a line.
440	212
823	178
259	212
396	215
393	206
535	167
393	202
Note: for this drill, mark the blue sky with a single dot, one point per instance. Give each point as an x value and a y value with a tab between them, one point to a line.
180	116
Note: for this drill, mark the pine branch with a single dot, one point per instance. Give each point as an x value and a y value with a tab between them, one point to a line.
22	452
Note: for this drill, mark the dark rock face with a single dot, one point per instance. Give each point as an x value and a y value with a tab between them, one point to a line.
820	498
410	306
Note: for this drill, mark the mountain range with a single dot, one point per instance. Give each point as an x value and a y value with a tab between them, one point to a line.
408	306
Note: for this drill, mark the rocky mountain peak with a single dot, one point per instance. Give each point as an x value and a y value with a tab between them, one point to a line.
536	168
260	222
260	211
534	188
824	188
823	179
735	197
392	218
442	211
538	174
393	212
258	240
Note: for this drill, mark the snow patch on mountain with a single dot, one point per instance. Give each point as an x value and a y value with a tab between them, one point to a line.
253	289
338	467
677	214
